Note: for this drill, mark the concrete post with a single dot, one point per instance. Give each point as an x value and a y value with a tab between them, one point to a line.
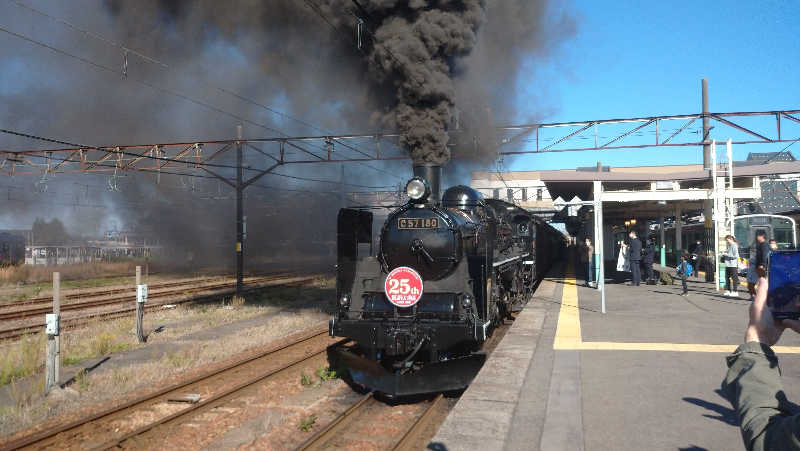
598	246
139	307
717	213
662	241
53	362
239	214
708	204
678	244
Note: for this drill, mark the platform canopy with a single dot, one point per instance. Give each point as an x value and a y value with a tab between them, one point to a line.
657	192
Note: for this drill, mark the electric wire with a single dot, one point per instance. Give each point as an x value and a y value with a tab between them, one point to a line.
167	66
177	94
314	7
90	34
141	82
781	151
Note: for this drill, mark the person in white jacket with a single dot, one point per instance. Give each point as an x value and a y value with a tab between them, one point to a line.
731	260
623	264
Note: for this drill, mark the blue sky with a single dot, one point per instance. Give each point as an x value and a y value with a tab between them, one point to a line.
631	59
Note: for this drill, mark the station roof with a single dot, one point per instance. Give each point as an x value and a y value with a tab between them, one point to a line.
640	174
631	188
568	183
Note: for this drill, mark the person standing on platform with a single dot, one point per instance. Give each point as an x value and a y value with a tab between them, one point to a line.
731	260
623	265
684	269
587	256
647	259
760	263
699	252
635	256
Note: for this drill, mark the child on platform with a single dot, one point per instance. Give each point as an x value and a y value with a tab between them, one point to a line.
684	269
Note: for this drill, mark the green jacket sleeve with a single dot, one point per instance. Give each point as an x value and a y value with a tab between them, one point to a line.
753	386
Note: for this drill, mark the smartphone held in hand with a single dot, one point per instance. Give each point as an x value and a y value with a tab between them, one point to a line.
783	295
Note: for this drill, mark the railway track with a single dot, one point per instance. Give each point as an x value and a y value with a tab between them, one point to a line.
187	293
371	423
334	434
97	292
152	420
121	425
110	297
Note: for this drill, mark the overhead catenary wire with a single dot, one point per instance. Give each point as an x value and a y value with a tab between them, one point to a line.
314	7
781	151
139	81
142	82
167	66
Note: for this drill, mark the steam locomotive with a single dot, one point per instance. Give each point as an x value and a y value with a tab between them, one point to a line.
447	272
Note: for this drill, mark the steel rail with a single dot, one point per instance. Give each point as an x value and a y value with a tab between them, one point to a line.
327	432
300	338
182	288
8	334
97	292
419	426
217	397
102	291
318	440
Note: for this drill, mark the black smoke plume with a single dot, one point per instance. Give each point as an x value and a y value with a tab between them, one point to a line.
406	65
415	50
423	66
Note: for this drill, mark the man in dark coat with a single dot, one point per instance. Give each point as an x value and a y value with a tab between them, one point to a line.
762	253
635	254
700	253
760	262
647	259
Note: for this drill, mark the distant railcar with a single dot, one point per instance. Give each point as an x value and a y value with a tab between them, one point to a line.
780	228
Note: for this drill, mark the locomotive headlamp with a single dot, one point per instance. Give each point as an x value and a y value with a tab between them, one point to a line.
418	189
345	300
466	301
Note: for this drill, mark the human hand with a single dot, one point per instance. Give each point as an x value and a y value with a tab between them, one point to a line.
793	323
762	327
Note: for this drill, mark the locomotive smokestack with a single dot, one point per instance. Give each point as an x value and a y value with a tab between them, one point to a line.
433	175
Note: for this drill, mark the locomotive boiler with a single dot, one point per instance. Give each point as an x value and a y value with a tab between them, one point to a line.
448	269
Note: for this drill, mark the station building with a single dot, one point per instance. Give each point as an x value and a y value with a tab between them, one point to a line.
657	201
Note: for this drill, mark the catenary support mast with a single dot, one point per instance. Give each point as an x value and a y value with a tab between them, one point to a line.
239	214
708	208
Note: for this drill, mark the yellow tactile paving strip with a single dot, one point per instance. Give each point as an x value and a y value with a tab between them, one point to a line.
568	331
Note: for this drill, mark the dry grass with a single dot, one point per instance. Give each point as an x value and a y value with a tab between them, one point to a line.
37	274
21	358
104	385
103	337
237	301
100	339
299	308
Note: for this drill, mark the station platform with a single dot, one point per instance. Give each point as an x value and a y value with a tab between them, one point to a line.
645	375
